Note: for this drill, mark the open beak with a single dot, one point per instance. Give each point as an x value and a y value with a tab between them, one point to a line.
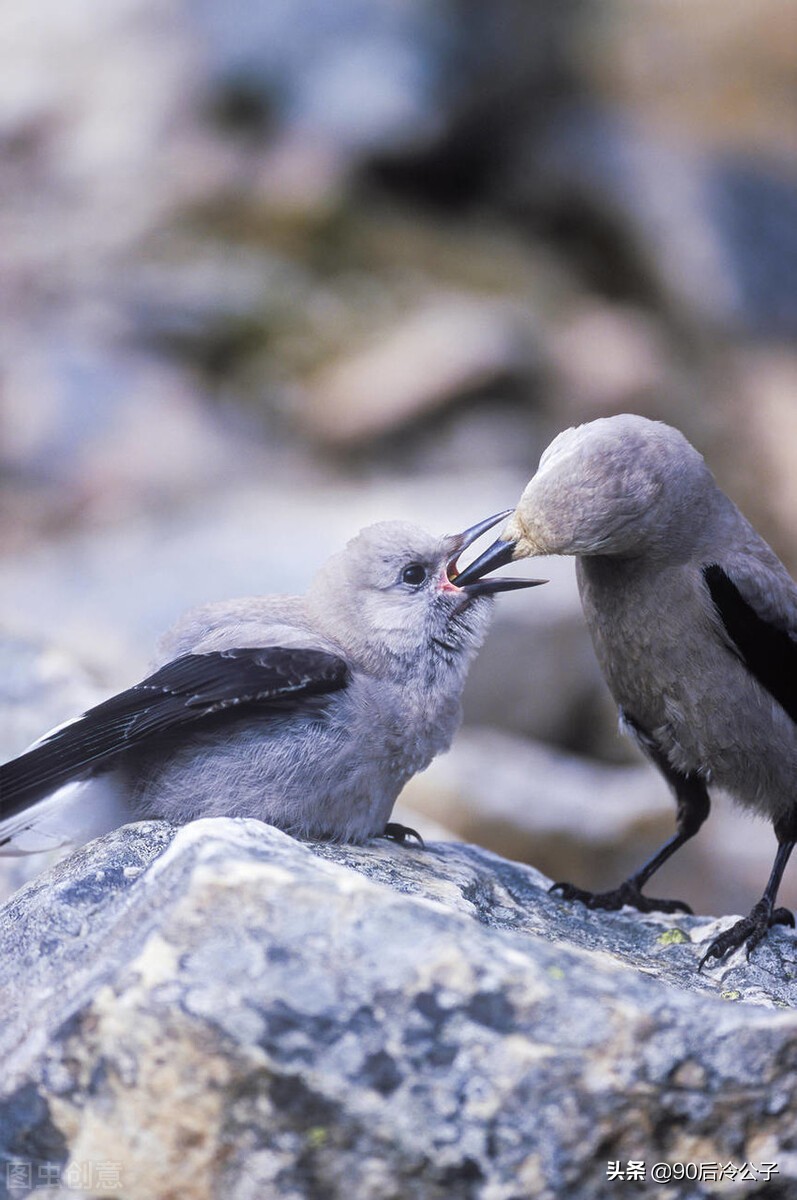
471	580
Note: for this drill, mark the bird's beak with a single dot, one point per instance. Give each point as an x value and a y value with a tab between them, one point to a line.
470	580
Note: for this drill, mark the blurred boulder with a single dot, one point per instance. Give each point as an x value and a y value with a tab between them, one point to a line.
100	137
449	348
709	238
40	686
608	358
117	123
718	76
537	674
591	823
391	80
208	301
572	818
759	449
102	431
220	1010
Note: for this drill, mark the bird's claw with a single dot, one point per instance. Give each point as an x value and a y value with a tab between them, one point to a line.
626	893
399	833
749	931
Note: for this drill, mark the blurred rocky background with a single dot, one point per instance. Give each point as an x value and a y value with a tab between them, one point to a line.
271	272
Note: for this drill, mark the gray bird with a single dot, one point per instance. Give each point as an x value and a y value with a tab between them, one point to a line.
309	713
694	623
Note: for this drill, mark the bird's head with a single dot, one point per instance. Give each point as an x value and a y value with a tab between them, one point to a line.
622	486
390	595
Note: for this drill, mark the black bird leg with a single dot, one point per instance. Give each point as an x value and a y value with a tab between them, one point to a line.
693	808
752	928
399	833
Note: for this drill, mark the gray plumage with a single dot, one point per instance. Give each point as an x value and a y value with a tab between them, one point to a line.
694	622
310	712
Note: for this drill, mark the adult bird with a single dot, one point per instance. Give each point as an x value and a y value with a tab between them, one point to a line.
694	622
308	712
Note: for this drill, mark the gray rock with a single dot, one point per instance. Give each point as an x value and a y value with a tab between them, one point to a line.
222	1011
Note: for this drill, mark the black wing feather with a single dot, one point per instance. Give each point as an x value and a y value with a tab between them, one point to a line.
185	691
769	653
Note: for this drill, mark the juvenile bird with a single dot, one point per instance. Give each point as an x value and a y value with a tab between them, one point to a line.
309	712
694	623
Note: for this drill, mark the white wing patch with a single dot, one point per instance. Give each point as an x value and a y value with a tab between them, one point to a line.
72	815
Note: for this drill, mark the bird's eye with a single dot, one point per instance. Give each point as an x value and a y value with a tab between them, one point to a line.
414	575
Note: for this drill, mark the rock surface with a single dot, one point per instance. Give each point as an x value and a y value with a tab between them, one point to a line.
222	1011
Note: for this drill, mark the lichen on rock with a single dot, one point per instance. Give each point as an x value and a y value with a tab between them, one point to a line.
224	1011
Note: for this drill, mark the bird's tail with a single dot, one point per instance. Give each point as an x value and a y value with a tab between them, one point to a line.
37	827
71	815
46	798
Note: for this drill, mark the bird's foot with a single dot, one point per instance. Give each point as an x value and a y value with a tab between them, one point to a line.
400	833
750	931
626	893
